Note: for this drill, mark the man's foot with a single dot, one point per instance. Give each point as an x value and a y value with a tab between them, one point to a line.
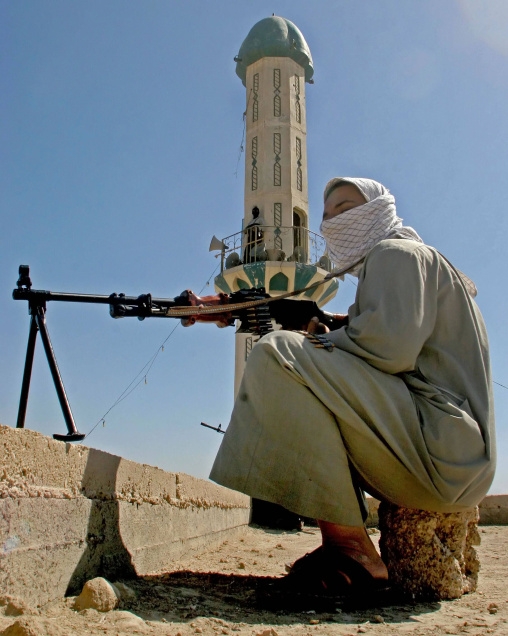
350	547
335	572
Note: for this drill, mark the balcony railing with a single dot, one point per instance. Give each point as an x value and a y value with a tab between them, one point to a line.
258	243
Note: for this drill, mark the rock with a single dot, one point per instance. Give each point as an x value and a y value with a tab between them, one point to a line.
97	594
128	622
17	607
430	555
32	627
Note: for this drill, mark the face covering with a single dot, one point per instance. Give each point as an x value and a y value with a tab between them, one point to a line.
350	235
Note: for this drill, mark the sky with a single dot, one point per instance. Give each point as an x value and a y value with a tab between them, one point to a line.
120	148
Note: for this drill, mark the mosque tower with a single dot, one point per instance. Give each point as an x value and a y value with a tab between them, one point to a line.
275	248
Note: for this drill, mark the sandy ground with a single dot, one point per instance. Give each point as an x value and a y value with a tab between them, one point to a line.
217	592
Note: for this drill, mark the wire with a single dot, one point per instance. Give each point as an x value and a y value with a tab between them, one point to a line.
242	148
142	375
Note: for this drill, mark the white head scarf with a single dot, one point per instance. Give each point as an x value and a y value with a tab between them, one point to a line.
353	233
350	235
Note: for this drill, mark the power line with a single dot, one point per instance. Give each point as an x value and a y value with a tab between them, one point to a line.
141	376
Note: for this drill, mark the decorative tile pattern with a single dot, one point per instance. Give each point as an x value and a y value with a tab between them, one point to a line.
277	221
299	175
254	173
248	346
277	146
298	108
255	97
276	97
277	214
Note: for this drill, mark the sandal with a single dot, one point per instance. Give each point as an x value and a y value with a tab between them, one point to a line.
318	582
334	573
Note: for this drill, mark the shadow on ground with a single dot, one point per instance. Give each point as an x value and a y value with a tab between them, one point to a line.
184	596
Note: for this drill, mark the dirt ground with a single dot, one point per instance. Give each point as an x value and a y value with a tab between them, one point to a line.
218	593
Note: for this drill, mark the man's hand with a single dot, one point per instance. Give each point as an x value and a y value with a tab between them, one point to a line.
315	326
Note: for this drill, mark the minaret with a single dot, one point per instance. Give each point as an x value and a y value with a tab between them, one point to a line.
275	248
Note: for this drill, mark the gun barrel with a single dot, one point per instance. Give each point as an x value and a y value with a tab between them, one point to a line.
42	295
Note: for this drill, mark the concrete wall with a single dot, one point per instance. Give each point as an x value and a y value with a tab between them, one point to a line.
69	513
493	511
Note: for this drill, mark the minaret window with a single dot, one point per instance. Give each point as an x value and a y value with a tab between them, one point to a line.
277	221
255	96
298	108
277	177
298	229
299	175
277	145
276	98
254	154
248	346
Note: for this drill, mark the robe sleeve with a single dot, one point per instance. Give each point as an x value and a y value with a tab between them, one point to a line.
395	308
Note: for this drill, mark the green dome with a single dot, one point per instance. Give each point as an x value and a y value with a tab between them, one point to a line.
274	37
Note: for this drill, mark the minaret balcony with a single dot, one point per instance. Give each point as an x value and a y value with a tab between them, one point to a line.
277	258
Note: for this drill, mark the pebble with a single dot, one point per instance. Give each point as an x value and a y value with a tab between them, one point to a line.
314	621
493	608
377	618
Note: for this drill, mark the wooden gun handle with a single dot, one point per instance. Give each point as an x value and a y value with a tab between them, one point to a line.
221	320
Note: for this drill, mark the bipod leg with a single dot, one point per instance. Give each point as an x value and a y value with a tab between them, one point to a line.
27	373
74	435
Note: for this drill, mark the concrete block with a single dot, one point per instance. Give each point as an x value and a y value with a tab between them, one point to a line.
41	543
69	513
494	510
156	537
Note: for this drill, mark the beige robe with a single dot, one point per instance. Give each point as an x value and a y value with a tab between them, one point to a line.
402	405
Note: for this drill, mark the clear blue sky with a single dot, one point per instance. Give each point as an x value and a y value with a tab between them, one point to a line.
120	137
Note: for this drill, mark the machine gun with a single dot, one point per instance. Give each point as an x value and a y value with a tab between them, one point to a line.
254	310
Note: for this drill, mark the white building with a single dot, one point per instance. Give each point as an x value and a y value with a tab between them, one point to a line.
275	250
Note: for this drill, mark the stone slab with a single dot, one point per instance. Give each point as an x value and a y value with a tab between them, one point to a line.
69	513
